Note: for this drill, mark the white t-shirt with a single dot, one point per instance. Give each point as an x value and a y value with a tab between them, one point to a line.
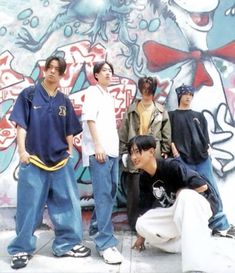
99	107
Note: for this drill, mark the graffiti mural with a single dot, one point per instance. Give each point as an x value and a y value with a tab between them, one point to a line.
191	42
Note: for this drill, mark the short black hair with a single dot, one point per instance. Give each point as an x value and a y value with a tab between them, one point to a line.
142	142
147	83
61	61
98	66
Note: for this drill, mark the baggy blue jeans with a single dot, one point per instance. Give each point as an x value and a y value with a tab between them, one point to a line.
56	189
218	221
104	178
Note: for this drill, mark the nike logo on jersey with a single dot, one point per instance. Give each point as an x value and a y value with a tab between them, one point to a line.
37	107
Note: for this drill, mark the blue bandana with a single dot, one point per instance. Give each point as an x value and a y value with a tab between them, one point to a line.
184	89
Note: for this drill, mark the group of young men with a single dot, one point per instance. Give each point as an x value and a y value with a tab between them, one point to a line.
186	207
187	201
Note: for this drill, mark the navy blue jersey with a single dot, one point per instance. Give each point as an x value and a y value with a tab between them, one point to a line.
48	121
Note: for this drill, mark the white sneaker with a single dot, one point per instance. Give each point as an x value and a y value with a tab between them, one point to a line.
111	255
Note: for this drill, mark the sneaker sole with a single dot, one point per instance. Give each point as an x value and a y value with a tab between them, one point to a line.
87	254
107	262
77	256
223	236
24	265
18	267
115	263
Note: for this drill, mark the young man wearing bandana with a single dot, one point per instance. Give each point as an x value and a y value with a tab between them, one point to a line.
191	144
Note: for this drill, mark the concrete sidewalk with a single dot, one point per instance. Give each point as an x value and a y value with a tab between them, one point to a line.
149	261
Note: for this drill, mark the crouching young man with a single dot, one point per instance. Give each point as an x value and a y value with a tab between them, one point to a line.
179	223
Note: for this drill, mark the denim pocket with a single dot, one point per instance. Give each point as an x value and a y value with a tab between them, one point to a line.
91	160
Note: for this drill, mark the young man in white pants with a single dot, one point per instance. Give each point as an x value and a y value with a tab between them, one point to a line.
179	223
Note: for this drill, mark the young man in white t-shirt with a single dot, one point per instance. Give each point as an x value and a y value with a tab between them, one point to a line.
100	151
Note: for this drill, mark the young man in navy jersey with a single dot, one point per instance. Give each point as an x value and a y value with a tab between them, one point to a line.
46	123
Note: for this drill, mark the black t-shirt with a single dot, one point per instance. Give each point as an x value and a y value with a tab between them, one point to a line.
171	175
190	135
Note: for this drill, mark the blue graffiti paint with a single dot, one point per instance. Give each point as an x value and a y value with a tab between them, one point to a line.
46	3
154	25
80	83
3	31
97	17
34	22
26	13
143	24
5	106
35	73
76	24
68	31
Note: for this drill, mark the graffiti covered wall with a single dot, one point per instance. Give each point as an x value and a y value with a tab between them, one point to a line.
192	43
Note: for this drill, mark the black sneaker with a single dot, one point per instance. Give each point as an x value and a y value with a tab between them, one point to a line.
20	260
78	251
229	233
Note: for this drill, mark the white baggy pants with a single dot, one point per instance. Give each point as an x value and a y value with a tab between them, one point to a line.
182	227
